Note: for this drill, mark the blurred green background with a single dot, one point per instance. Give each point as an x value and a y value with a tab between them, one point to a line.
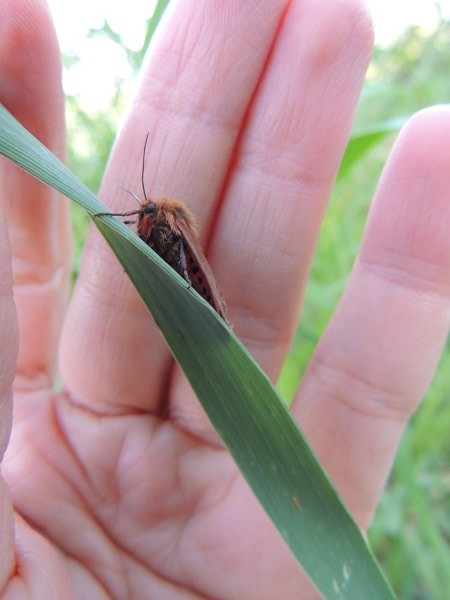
411	530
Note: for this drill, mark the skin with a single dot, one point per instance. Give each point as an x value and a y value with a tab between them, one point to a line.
248	105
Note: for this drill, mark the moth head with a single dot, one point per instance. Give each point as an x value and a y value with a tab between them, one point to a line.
148	209
146	220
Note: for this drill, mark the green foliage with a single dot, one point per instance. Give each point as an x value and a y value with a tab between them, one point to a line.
134	57
408	76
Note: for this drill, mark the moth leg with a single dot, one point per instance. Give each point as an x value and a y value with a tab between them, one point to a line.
182	261
127	214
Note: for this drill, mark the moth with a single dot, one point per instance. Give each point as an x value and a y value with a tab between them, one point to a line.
168	227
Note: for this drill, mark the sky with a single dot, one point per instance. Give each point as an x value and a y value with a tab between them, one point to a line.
93	78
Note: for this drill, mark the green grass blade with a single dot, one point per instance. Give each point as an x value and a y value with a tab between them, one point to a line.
156	17
237	396
363	141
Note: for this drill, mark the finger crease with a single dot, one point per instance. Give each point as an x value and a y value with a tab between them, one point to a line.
361	395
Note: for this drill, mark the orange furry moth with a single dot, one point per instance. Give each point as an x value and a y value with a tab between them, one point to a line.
168	227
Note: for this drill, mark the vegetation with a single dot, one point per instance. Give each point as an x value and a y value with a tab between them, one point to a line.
411	531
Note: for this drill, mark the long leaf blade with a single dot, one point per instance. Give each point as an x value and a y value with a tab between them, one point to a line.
239	399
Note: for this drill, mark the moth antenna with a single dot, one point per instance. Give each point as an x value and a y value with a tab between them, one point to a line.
131	194
143	166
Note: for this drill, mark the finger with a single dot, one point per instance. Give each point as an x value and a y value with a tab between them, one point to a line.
192	101
30	87
295	134
8	355
379	353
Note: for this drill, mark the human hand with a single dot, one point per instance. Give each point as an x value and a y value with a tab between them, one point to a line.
121	487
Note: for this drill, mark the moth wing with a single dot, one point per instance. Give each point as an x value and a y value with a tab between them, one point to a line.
199	271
